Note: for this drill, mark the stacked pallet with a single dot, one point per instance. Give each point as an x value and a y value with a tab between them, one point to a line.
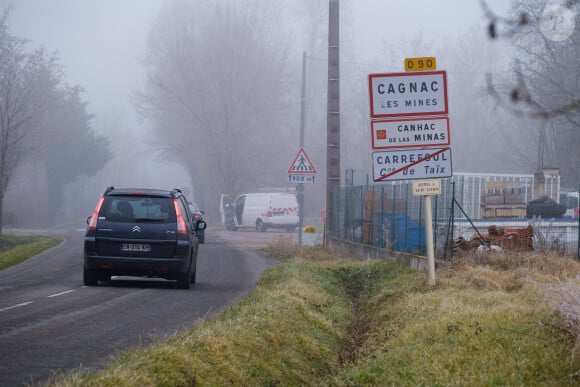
503	200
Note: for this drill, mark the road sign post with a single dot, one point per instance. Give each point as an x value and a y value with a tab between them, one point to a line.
420	64
409	118
426	187
408	94
429	234
301	171
411	164
410	133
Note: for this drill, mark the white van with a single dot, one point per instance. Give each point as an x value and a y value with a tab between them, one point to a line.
260	211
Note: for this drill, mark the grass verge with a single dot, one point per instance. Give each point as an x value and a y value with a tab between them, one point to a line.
325	319
16	249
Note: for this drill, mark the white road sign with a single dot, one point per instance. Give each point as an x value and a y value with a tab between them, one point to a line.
301	164
411	164
301	178
410	133
426	187
301	170
408	94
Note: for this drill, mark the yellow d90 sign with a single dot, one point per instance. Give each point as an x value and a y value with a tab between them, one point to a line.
420	64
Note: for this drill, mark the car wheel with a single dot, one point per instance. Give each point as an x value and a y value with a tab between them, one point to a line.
260	226
105	277
90	277
184	279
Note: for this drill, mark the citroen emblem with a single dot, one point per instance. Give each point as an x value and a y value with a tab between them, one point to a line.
136	229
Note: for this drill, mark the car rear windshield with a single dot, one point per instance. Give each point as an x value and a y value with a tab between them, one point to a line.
137	208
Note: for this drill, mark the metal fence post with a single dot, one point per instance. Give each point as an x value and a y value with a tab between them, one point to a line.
406	222
436	197
374	232
421	219
392	231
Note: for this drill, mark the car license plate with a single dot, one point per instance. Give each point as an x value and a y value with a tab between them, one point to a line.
136	247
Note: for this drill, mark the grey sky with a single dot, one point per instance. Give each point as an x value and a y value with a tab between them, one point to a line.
100	42
436	21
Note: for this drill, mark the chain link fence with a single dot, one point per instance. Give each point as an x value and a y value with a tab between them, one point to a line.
472	210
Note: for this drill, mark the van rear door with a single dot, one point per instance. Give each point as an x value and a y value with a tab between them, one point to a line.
225	200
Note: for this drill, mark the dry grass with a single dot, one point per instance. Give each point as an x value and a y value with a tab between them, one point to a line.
489	323
285	249
564	298
323	318
554	278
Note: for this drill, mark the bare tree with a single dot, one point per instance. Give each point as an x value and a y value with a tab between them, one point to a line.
67	146
544	89
215	92
26	81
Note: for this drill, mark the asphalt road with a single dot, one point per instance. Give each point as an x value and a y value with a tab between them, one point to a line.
51	323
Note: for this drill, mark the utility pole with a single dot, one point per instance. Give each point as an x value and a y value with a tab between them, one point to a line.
332	116
300	187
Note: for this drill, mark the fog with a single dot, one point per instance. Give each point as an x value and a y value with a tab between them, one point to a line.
100	44
105	47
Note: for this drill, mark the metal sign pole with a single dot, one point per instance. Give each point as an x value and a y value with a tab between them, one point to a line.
300	197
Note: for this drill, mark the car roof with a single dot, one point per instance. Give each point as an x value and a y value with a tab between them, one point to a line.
111	191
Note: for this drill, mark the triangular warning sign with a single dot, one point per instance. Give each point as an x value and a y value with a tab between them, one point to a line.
301	164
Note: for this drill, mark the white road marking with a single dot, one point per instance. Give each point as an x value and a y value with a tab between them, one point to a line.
30	302
61	293
16	306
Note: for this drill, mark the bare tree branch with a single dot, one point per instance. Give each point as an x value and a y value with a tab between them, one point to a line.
526	17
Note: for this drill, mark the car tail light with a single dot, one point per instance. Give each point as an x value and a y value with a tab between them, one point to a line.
95	216
196	216
181	227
